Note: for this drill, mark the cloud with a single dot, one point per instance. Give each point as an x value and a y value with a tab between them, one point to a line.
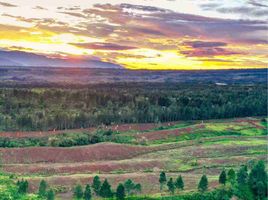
244	10
7	4
102	46
208	52
39	8
201	44
74	14
258	4
206	49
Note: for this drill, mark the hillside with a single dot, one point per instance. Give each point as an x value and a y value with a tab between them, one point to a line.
187	148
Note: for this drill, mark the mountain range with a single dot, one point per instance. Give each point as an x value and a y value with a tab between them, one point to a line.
25	59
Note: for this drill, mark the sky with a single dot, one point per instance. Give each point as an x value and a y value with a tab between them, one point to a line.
141	34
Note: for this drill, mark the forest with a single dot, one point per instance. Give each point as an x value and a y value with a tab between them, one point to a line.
41	108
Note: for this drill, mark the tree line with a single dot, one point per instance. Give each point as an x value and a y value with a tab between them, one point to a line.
245	184
55	108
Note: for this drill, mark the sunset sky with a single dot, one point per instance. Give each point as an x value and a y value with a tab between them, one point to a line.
141	34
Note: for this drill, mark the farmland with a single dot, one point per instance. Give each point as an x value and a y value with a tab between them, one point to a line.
187	148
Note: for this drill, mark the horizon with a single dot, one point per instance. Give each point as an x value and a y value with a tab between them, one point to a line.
136	35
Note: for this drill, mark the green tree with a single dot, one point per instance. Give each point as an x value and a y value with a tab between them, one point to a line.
231	176
96	185
179	184
120	192
50	195
23	186
162	180
242	176
171	186
203	184
42	188
105	190
129	186
258	180
138	188
87	193
222	177
78	192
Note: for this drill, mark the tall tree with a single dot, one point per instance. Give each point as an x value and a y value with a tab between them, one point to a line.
96	185
258	180
23	186
242	176
105	190
179	183
87	193
42	188
120	192
78	192
203	184
171	186
129	186
231	176
162	180
222	177
50	195
138	188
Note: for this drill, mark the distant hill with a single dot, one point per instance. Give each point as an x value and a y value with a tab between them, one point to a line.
20	58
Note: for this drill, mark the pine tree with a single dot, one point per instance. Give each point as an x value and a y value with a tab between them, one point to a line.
138	188
50	195
105	190
23	186
78	191
129	186
42	188
87	193
171	186
258	180
242	176
179	183
96	185
120	192
231	176
203	184
162	179
222	178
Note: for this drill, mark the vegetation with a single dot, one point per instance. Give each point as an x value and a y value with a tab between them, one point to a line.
54	108
162	179
120	192
87	193
203	184
78	192
42	192
179	184
250	185
222	178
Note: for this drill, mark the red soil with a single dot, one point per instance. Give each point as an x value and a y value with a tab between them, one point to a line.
157	135
94	167
120	128
97	152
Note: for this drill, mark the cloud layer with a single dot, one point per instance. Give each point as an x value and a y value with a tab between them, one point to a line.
142	36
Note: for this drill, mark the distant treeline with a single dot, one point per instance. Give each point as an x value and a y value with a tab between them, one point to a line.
57	108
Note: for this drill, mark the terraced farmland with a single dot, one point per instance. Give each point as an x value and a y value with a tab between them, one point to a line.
187	148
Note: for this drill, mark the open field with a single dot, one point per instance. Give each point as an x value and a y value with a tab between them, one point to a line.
187	148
